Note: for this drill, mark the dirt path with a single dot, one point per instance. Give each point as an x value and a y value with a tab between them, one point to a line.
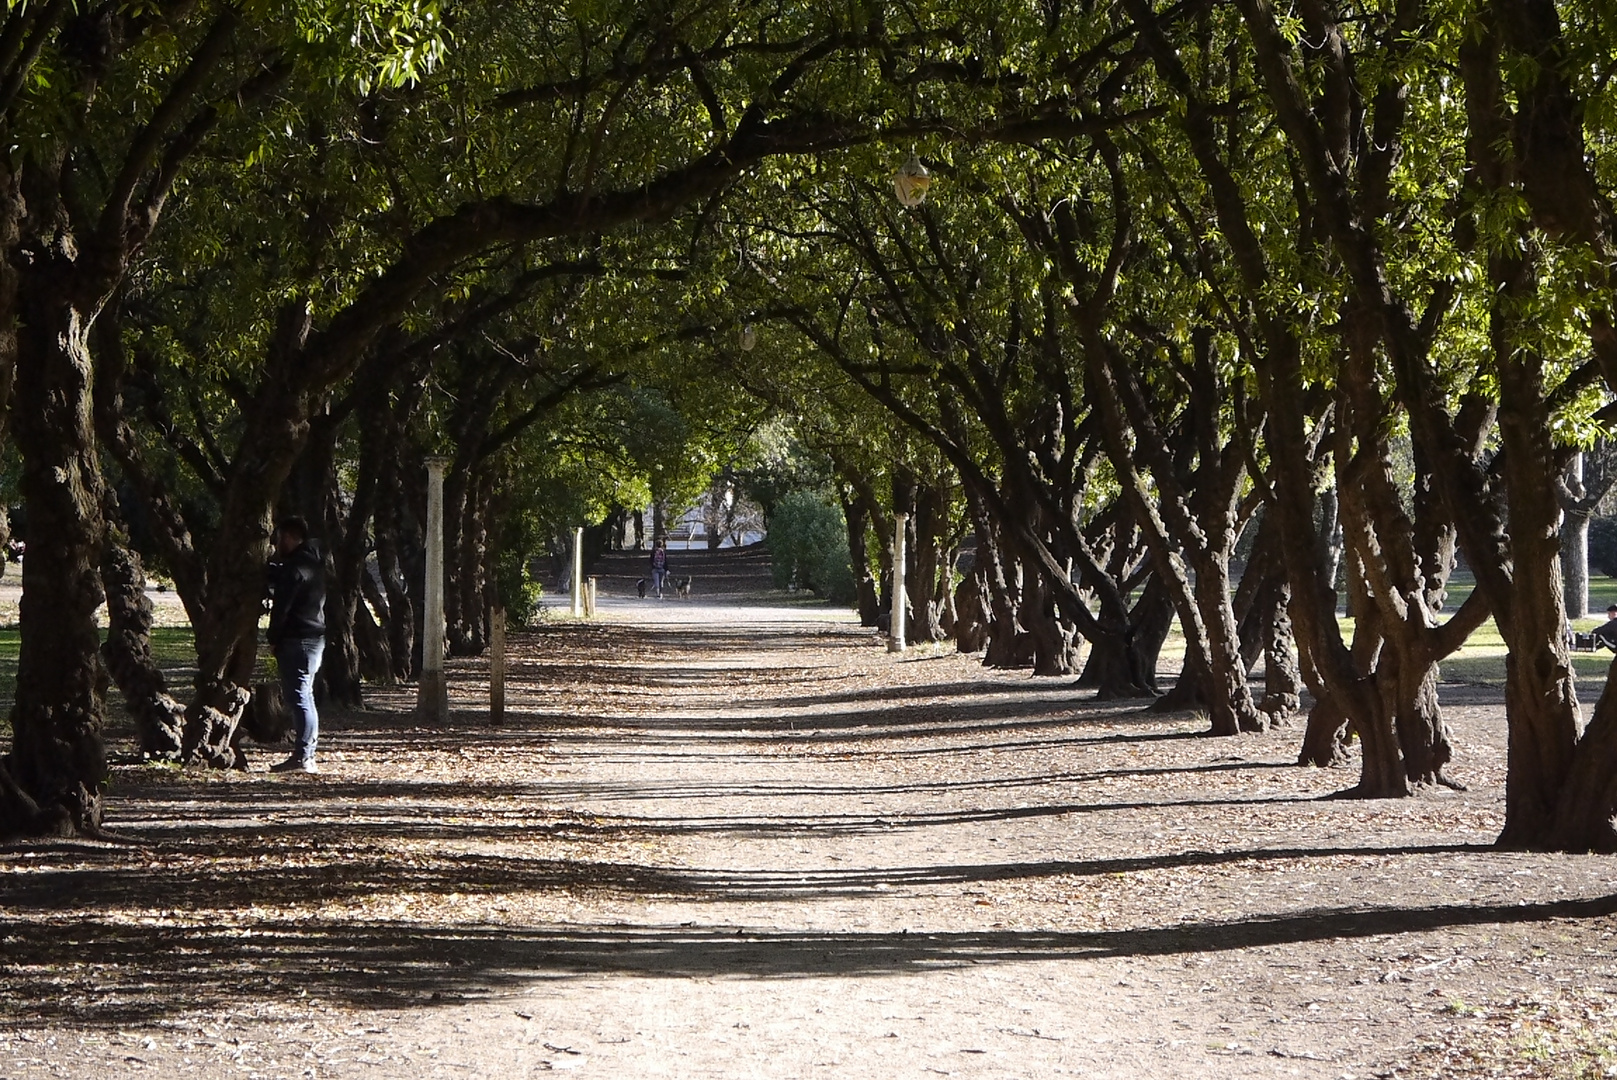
725	839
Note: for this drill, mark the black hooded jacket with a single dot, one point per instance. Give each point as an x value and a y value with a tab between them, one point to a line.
298	588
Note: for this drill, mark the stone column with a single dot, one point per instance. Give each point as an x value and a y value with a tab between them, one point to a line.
432	691
895	621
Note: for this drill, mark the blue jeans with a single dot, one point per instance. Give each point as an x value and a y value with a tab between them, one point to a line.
298	660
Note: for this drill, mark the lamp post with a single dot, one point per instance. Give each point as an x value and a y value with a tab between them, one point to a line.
432	691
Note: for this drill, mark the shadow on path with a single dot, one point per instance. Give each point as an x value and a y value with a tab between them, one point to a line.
96	973
350	870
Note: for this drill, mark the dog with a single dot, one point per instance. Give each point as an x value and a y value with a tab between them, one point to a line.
682	588
640	587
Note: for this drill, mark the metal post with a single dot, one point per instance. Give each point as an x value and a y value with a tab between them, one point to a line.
578	571
432	692
589	597
496	666
895	621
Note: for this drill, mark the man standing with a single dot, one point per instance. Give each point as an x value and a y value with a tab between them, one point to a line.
297	634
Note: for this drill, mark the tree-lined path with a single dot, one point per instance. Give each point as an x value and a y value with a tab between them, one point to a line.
734	837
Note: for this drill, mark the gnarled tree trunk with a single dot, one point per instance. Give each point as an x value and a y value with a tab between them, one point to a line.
159	717
52	780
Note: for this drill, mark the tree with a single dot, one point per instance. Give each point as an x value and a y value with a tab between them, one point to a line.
79	202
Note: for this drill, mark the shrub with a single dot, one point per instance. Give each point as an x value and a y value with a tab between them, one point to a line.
520	590
808	543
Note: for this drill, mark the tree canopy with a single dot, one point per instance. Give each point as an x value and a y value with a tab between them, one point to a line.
1216	315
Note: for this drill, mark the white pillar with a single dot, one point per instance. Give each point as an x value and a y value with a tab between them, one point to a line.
895	621
578	571
432	691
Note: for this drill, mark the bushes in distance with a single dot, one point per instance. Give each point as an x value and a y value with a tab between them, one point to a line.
808	544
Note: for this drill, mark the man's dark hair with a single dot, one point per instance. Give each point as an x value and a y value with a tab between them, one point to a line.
293	524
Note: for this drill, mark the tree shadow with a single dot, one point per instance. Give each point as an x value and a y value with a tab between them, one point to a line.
899	722
343	869
1063	692
102	974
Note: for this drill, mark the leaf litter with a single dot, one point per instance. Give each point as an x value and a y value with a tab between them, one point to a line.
817	803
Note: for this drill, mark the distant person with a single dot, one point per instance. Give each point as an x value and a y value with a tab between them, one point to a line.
297	633
1606	634
659	566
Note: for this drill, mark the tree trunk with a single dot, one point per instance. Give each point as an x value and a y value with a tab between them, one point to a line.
159	717
458	483
971	614
1376	693
1325	741
1189	551
1005	645
869	604
1055	650
1381	763
1114	670
1587	809
1423	736
927	528
1575	562
944	599
227	634
1541	707
392	514
376	663
52	780
413	552
1282	682
475	547
340	668
1150	622
1329	543
1229	699
466	630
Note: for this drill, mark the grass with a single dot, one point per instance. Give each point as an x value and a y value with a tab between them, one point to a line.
173	647
1602	591
1481	660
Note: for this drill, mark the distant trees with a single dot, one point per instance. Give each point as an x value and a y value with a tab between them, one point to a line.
1385	261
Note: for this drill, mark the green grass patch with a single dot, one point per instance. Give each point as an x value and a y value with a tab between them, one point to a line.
1602	591
173	647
